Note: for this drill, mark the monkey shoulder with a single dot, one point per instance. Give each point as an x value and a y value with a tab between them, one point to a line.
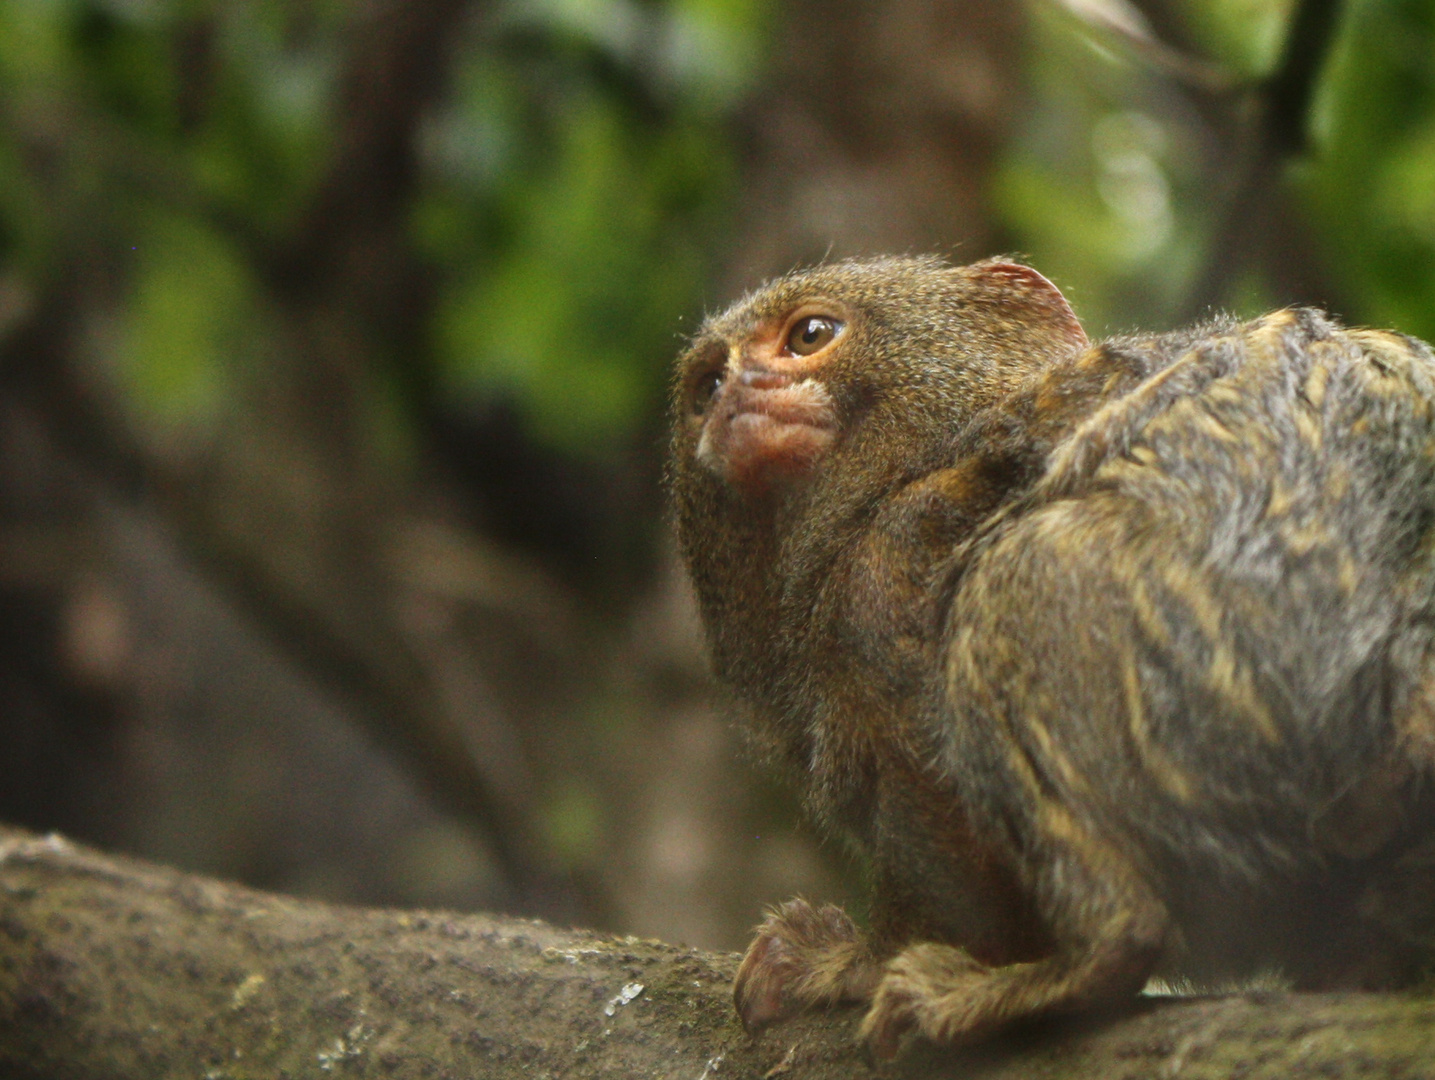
1288	415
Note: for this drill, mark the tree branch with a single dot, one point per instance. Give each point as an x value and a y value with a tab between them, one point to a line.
1254	211
113	968
1291	88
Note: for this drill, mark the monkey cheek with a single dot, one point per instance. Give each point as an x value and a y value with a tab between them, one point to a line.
757	453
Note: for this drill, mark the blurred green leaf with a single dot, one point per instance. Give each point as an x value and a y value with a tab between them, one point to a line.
189	321
1120	185
1369	184
574	220
1244	35
572	818
568	320
1102	186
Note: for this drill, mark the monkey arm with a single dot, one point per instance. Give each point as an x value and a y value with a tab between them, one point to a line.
1107	948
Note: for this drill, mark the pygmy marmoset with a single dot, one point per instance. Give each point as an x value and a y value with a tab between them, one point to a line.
1113	659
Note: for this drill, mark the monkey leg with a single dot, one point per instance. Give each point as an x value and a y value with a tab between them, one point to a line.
803	957
1116	932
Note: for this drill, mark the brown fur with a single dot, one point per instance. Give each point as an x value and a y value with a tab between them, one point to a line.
1114	659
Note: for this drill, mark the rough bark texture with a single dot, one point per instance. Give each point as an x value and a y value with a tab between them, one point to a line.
113	968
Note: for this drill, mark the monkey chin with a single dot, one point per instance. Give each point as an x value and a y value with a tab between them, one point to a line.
768	440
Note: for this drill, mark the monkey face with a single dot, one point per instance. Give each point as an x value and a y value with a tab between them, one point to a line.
764	413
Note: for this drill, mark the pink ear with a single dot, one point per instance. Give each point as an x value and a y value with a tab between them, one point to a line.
1021	286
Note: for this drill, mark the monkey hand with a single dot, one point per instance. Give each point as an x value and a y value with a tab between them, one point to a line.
803	957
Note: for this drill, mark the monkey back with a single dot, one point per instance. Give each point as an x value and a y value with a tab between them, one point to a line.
1202	639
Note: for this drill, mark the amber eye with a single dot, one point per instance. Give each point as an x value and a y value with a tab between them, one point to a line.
706	388
809	335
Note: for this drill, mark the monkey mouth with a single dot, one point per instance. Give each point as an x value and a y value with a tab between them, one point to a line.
757	438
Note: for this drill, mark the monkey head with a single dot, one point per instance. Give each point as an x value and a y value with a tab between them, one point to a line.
873	363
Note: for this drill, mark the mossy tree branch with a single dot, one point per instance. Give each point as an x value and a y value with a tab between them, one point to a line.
113	968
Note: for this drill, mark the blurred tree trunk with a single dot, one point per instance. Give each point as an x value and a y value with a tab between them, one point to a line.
876	132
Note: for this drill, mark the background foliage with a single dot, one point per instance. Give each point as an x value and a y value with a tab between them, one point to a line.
333	340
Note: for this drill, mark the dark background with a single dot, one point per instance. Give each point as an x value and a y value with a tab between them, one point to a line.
333	343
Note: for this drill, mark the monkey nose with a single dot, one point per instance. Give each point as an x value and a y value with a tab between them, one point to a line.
762	379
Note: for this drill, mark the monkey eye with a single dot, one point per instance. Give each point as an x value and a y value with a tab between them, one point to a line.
811	334
706	388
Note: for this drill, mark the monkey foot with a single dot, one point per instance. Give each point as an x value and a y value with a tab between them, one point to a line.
934	990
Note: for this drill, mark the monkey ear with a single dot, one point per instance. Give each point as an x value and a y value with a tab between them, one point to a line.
1022	288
